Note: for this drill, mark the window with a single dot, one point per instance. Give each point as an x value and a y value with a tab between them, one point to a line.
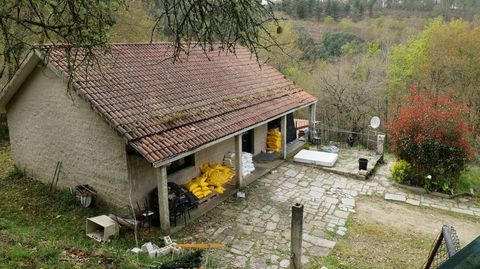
181	164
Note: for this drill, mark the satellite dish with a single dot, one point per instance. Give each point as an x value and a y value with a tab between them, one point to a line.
375	122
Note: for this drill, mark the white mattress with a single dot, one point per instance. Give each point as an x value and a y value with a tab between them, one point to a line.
316	157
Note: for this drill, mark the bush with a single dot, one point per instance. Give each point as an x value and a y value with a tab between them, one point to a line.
328	20
432	133
16	174
334	41
401	171
311	50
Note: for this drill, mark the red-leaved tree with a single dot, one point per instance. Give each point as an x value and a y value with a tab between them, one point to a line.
431	132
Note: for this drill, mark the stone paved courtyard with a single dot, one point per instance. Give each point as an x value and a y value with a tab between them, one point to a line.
256	229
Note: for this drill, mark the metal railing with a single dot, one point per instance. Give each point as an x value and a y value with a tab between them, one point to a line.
445	246
328	135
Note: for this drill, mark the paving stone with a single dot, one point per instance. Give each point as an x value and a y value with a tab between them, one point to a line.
257	230
395	197
242	245
274	259
284	263
228	239
413	202
291	173
219	231
348	202
258	263
271	226
462	211
341	214
240	262
317	241
318	251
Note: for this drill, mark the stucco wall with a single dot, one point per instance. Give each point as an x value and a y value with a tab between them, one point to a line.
46	125
260	139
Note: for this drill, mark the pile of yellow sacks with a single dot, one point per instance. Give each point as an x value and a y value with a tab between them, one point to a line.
274	140
213	177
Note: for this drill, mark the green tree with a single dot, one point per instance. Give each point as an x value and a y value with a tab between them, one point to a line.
301	9
328	8
370	5
444	58
87	24
333	43
347	9
311	50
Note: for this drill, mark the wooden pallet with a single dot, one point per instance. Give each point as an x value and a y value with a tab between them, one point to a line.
232	181
207	198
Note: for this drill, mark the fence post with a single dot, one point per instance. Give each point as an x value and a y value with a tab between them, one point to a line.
296	236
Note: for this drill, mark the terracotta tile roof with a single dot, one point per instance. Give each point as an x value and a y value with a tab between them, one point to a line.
164	108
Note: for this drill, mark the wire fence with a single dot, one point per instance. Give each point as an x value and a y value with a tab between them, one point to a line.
446	245
328	135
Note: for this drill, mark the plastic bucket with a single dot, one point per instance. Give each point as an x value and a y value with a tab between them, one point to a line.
362	164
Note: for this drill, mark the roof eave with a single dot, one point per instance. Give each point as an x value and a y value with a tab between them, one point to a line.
12	86
162	162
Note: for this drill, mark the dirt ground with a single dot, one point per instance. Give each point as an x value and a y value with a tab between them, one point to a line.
426	222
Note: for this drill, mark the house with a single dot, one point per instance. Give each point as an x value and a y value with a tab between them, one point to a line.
142	120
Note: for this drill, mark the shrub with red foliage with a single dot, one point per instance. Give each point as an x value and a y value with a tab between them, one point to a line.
432	133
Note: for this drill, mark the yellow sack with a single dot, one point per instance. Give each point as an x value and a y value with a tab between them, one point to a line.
207	193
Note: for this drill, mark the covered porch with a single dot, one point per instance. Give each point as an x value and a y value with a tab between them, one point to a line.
264	162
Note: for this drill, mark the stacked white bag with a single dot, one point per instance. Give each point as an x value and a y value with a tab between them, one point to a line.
247	162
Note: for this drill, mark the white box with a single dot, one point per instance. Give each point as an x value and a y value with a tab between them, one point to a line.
100	228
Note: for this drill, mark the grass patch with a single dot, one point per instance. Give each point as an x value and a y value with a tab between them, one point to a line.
43	229
470	178
368	245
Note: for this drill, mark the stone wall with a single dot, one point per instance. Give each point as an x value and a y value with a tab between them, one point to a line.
47	125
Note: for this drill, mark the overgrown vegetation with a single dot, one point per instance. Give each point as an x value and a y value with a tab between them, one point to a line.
433	134
469	179
444	58
44	229
359	9
70	25
355	81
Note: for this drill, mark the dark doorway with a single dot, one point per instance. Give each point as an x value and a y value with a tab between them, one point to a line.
247	141
274	124
291	132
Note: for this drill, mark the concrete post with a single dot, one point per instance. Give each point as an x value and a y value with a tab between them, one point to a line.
312	109
296	236
239	160
283	130
380	143
163	211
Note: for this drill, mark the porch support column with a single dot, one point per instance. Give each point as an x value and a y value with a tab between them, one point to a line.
163	211
283	130
239	161
312	109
